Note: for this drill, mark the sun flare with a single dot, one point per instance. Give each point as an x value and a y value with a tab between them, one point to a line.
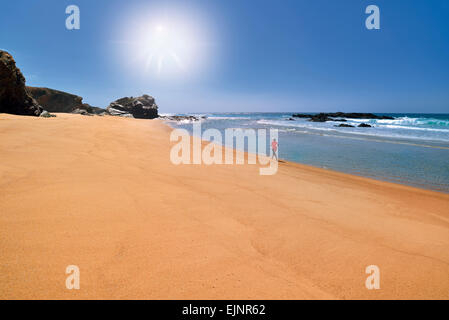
176	45
165	47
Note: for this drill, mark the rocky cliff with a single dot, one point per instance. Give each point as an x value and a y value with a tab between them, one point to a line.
59	101
14	97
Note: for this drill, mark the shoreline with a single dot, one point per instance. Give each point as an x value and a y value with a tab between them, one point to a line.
413	185
101	193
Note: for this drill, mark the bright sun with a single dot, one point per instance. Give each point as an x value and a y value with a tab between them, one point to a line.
166	46
173	45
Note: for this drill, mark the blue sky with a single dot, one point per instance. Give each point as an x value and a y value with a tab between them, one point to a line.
286	55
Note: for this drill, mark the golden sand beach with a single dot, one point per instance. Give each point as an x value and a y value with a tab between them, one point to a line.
101	193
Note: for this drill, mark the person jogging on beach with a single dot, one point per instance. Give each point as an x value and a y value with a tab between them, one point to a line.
274	147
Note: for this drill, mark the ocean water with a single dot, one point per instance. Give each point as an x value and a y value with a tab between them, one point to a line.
413	149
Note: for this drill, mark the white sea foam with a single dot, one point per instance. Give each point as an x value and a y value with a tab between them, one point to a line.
228	118
385	131
415	128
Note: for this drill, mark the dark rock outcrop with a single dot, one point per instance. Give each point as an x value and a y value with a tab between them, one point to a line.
320	117
143	107
14	97
58	101
323	117
359	116
344	125
55	100
364	125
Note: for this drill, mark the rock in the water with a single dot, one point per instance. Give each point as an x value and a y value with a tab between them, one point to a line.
323	117
300	115
58	101
143	107
14	97
364	125
344	125
359	116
